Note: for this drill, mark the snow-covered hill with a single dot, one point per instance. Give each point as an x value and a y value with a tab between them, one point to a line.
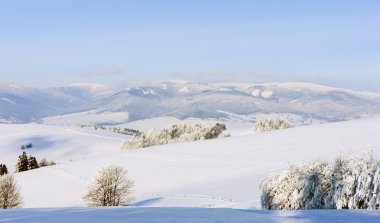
303	103
186	179
213	173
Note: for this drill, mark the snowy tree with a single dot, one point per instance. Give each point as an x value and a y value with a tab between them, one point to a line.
111	187
32	163
25	163
270	124
303	187
3	169
177	133
349	183
22	163
9	193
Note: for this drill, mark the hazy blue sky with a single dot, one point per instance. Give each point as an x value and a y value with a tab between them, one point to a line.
55	42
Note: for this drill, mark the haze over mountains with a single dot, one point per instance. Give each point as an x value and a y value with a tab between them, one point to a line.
182	99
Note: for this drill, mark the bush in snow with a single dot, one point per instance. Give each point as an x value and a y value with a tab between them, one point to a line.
111	187
9	193
45	162
3	169
270	124
177	133
347	184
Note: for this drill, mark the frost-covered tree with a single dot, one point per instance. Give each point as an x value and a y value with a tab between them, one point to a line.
111	187
270	124
3	169
349	183
299	187
9	193
22	163
177	133
32	163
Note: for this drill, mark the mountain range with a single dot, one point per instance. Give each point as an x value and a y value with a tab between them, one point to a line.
183	99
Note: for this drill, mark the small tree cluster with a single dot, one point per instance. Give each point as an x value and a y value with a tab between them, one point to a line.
9	193
111	187
27	146
45	162
270	124
125	131
347	184
177	133
25	163
3	169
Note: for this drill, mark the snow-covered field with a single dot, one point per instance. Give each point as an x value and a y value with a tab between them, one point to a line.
188	182
183	215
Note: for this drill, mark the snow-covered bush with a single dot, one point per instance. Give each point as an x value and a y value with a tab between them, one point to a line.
9	193
111	187
270	124
45	162
348	184
177	133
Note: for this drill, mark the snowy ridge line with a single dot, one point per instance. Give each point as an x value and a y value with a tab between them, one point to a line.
194	196
93	135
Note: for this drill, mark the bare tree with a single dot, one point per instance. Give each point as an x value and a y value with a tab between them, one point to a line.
9	193
110	188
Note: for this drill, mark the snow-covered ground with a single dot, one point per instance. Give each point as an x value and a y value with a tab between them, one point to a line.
220	173
183	215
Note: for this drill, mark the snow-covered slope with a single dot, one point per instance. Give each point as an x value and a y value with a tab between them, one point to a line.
304	103
214	173
57	143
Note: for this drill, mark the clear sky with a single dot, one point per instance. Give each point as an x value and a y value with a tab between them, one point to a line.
56	42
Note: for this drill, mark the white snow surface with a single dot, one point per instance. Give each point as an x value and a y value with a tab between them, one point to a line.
187	182
93	117
183	215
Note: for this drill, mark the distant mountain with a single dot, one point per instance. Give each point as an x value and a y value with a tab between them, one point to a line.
183	99
24	104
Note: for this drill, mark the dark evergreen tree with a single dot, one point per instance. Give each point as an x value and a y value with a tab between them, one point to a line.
32	163
22	163
3	169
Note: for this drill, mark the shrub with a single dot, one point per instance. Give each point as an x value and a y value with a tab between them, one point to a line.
177	133
110	188
9	193
349	183
45	162
3	169
270	124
